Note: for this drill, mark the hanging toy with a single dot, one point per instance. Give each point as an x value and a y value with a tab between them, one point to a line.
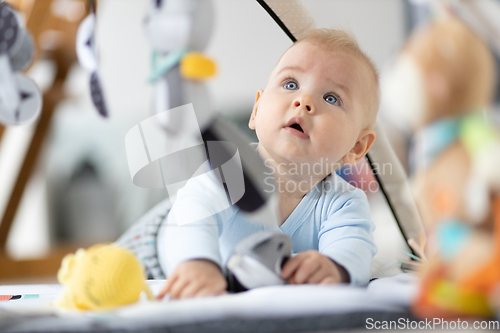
451	72
169	148
102	277
166	150
20	98
178	31
86	51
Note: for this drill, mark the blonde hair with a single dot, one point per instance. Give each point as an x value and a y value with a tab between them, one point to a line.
449	47
341	41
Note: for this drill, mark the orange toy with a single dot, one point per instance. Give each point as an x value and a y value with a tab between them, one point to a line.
441	296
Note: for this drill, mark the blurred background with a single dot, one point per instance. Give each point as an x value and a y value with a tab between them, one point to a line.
81	192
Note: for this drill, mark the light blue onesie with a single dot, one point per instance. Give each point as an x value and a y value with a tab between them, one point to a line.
333	218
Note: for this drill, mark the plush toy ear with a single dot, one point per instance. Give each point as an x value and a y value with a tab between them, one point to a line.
437	85
65	272
365	141
251	123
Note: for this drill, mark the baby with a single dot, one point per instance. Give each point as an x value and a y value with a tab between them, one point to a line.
315	115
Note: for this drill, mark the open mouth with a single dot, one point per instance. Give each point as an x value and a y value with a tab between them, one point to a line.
297	127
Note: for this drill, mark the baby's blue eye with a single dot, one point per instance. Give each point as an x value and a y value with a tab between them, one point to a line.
332	100
291	85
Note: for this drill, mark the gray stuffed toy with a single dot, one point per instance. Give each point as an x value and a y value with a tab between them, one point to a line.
257	261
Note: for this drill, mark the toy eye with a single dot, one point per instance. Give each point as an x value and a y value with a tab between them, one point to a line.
159	3
332	100
291	85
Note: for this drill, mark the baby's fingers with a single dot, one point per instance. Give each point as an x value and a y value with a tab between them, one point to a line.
178	288
191	290
207	292
166	288
306	269
328	280
317	277
291	266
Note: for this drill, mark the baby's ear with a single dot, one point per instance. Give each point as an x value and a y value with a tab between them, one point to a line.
251	123
362	146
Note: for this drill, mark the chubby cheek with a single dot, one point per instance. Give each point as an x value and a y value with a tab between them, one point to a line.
265	123
333	143
262	128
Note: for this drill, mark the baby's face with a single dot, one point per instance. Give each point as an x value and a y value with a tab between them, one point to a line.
311	110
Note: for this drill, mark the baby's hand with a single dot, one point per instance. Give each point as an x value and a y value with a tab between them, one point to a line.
314	268
195	278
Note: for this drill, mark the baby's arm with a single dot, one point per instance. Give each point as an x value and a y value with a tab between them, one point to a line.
314	268
195	278
346	235
345	245
188	244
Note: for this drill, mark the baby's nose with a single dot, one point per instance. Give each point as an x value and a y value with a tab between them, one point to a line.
304	102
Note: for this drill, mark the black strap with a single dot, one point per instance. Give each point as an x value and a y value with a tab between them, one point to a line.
277	19
92	6
387	199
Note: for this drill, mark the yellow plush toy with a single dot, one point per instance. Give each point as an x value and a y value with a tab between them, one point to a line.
102	277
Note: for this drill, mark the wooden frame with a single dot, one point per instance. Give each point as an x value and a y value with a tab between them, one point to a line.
39	20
